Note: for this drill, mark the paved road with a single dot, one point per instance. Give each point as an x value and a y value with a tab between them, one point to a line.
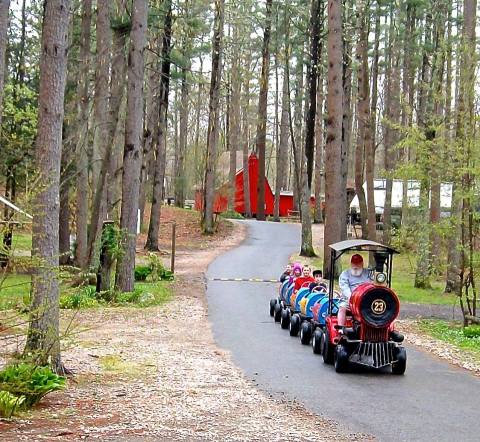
432	401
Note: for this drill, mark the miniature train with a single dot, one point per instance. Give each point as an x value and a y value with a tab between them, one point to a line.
369	337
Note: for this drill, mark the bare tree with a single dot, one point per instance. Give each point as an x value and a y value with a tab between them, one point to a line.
213	117
132	156
43	341
335	197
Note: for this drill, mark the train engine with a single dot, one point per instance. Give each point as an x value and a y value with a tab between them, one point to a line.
369	338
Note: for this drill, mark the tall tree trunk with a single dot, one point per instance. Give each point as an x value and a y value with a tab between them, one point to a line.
4	8
81	213
319	146
365	124
180	179
160	153
213	120
104	183
262	113
43	340
408	92
235	110
151	124
297	135
335	198
132	157
102	89
374	77
282	152
246	142
423	270
392	109
315	30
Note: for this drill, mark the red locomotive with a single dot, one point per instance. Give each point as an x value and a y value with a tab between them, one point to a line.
369	337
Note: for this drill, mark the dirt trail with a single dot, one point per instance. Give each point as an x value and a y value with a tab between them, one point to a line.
156	374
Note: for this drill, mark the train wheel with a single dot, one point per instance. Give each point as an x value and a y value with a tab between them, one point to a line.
340	359
273	303
317	341
327	348
400	366
294	326
305	332
277	312
285	319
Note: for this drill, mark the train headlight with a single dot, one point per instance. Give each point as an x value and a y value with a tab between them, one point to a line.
380	278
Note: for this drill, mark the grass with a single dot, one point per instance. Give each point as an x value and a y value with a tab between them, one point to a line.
451	332
15	292
115	364
22	241
14	289
403	278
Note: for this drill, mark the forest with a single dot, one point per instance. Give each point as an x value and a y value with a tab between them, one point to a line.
109	109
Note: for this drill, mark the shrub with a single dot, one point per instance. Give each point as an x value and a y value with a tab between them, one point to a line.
84	298
30	381
129	297
231	214
9	404
158	271
142	272
472	331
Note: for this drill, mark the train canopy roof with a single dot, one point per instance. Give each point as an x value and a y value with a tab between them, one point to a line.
361	245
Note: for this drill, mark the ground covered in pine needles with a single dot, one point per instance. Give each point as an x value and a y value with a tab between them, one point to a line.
156	374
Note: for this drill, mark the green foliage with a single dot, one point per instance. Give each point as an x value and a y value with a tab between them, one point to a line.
142	272
472	331
158	271
30	381
232	215
9	404
80	298
129	297
453	333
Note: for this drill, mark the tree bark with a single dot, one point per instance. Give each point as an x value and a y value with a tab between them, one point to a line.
246	142
365	128
392	103
235	110
335	197
4	8
262	114
282	152
102	90
319	154
105	180
160	152
208	224
132	157
315	29
43	340
81	213
151	125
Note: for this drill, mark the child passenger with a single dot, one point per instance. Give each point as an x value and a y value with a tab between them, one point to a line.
286	273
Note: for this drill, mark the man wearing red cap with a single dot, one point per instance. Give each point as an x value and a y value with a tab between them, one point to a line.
349	280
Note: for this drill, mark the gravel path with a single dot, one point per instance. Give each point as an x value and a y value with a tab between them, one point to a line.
156	374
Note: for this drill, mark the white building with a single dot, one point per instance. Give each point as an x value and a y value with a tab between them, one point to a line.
413	194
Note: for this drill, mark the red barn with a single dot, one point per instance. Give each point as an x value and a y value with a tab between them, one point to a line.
221	197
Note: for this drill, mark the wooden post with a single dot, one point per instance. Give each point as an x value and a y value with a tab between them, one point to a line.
172	262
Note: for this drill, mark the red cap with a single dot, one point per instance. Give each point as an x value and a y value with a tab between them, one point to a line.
356	259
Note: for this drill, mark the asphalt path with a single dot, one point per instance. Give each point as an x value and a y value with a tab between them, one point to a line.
432	401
